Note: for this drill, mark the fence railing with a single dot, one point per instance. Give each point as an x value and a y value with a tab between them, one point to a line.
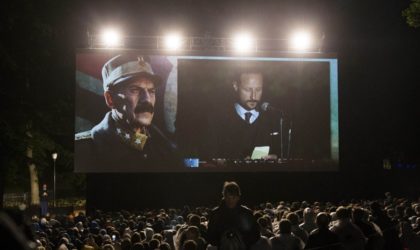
15	199
18	199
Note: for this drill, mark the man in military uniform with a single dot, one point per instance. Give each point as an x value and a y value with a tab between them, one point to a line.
126	139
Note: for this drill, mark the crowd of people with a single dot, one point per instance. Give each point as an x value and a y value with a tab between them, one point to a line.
387	224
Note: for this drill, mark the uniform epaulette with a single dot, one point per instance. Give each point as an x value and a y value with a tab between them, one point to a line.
83	135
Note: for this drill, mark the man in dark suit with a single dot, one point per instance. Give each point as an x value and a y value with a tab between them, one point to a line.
243	126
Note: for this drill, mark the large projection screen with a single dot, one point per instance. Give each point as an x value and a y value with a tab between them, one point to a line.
139	112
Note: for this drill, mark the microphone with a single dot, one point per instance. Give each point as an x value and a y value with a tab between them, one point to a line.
266	106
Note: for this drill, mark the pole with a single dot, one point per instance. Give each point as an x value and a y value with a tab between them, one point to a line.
281	138
54	184
54	156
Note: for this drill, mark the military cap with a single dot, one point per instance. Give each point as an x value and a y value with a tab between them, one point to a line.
123	67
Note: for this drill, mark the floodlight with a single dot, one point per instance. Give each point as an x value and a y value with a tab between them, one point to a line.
301	41
173	41
243	42
111	38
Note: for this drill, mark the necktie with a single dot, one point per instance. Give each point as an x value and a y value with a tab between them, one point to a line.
248	117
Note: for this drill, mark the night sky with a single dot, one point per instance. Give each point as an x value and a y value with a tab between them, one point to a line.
378	57
378	54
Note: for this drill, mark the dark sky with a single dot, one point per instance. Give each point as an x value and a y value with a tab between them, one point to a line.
378	53
264	18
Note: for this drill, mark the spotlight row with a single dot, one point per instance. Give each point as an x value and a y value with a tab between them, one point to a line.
241	42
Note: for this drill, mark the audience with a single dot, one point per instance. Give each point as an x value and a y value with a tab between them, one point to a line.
350	235
389	223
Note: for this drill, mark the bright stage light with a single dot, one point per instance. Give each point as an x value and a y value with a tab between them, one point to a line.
301	41
111	38
173	42
243	42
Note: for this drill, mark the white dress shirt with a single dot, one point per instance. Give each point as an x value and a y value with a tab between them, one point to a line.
241	112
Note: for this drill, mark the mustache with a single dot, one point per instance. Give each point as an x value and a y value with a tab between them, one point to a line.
144	107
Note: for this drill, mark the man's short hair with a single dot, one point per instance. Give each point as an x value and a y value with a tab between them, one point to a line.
308	214
285	227
194	220
189	245
231	188
343	213
358	214
263	222
323	220
251	69
193	230
293	218
154	243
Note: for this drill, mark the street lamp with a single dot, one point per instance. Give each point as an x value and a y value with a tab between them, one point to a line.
54	156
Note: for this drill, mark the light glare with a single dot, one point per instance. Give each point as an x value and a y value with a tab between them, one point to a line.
173	42
301	40
111	38
243	43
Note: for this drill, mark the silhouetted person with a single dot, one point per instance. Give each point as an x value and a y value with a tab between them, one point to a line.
322	238
350	235
286	240
231	224
308	220
296	230
408	238
265	226
389	230
189	245
375	239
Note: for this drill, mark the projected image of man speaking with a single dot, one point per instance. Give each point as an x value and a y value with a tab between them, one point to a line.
126	138
244	125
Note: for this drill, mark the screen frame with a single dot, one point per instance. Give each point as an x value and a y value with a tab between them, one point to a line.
269	56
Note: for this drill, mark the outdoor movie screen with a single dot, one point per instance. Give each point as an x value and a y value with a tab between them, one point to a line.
137	112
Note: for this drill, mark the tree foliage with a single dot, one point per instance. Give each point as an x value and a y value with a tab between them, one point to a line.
412	14
36	52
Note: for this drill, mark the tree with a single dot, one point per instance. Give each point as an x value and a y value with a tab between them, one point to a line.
36	51
412	14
